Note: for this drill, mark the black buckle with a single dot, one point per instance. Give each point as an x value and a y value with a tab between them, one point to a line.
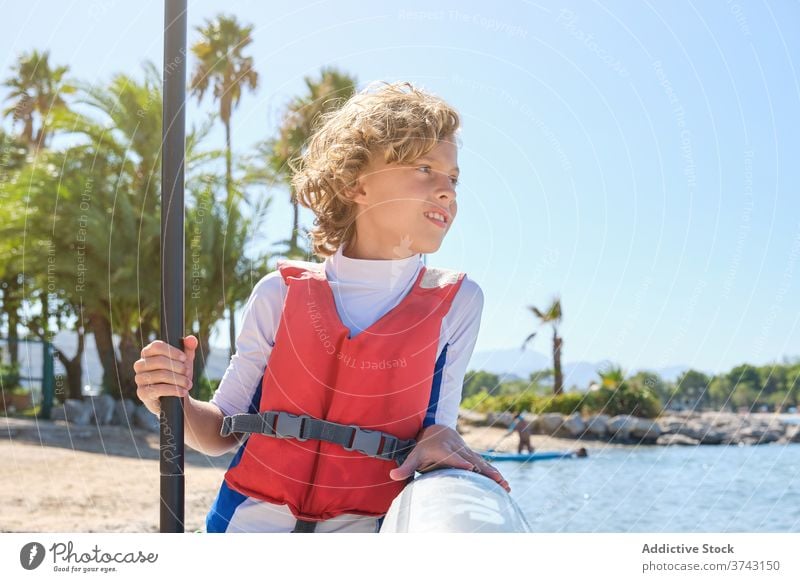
389	447
365	441
403	449
290	426
268	423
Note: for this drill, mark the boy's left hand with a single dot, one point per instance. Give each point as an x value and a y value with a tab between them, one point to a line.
439	446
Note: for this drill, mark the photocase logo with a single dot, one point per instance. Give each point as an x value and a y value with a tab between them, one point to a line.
31	555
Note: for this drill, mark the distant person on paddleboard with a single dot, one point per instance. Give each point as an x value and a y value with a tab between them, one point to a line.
347	374
523	429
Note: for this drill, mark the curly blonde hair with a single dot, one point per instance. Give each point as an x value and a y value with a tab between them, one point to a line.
398	119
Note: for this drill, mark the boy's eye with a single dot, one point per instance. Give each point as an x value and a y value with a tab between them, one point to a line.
453	179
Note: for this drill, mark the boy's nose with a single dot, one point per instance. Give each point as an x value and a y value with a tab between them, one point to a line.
445	187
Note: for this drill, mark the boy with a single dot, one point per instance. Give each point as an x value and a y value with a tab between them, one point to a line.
347	374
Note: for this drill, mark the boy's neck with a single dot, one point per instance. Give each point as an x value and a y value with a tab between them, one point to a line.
353	250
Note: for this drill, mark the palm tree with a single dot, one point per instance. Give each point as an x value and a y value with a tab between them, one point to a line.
612	378
36	92
327	93
552	316
222	65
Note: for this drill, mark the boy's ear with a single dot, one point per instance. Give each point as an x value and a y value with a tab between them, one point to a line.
356	192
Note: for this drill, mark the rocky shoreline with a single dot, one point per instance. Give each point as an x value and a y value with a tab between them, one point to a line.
678	428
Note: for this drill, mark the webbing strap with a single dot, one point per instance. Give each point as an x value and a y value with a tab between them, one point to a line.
280	424
303	526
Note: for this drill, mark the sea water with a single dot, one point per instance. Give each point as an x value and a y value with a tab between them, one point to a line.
662	489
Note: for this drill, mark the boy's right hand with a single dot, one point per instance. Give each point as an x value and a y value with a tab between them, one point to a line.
164	371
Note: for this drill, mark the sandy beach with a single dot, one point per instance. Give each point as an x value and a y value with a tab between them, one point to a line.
62	478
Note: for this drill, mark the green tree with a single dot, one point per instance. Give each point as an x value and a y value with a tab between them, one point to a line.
746	386
720	390
476	381
692	389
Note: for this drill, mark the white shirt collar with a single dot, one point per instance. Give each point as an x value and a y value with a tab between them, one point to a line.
374	273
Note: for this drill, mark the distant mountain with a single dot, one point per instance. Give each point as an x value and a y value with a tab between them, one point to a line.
509	361
520	364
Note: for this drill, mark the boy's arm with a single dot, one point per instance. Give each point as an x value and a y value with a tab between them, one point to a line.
203	420
462	324
202	425
254	344
439	444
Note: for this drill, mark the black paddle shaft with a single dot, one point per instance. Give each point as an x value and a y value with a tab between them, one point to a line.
172	256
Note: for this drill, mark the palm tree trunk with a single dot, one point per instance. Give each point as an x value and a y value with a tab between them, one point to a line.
129	352
295	224
200	360
231	331
228	163
11	308
231	227
103	339
558	385
74	370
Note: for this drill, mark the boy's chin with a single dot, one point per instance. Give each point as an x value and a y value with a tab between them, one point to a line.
428	247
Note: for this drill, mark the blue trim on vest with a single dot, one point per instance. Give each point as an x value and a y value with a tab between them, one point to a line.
380	523
227	500
430	415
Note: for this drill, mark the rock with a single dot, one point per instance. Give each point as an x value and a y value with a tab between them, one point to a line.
76	412
686	414
643	430
759	435
499	419
123	412
102	408
713	437
698	430
676	439
551	422
792	434
145	419
671	424
534	422
471	417
573	425
597	426
619	427
723	420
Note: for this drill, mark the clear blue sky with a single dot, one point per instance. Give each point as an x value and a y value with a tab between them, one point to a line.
638	158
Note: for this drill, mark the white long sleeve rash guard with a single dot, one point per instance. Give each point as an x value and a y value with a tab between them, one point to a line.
364	291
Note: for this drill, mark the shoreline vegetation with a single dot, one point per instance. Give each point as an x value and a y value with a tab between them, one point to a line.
687	428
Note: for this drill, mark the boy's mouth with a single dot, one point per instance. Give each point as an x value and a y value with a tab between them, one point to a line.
440	219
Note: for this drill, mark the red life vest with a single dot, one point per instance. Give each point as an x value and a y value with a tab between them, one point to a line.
380	380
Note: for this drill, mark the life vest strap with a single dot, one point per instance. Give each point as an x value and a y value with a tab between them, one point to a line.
303	526
281	424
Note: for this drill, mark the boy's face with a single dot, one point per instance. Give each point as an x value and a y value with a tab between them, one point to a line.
399	202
